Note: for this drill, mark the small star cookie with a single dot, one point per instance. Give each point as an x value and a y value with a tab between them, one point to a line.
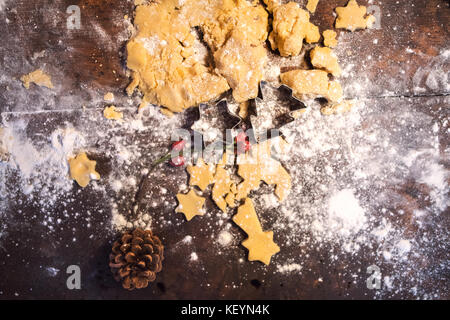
260	244
352	18
190	205
201	175
261	247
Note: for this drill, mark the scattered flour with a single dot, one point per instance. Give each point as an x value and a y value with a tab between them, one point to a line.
225	238
194	256
289	268
42	166
345	214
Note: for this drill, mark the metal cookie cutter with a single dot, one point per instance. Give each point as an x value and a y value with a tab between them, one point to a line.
215	120
276	108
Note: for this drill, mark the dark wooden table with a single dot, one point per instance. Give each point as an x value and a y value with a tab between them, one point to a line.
412	43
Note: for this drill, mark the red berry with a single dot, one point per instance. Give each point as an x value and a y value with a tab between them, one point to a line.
178	161
247	145
242	143
241	137
179	145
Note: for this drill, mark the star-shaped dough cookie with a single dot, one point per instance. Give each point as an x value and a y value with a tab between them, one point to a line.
260	244
201	175
352	18
190	205
82	170
261	247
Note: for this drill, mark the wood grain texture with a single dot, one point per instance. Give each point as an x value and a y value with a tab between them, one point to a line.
410	47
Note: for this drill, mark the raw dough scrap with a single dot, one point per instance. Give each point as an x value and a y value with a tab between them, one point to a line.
111	113
190	205
312	33
161	56
82	170
224	189
242	64
201	175
109	97
243	109
37	77
324	58
260	244
312	5
338	108
329	38
236	36
312	84
258	165
164	53
352	18
291	26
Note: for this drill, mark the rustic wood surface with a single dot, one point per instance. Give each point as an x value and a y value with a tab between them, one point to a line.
94	57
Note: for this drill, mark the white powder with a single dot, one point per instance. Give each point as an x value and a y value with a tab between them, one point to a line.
289	268
116	185
404	246
194	256
118	221
435	175
225	238
345	214
53	272
347	182
187	239
151	43
42	166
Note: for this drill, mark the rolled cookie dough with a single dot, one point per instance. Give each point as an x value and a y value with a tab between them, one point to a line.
291	26
164	54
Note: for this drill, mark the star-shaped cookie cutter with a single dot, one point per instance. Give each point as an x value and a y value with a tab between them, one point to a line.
215	120
276	108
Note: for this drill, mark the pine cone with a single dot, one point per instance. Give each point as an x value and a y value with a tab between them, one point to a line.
136	258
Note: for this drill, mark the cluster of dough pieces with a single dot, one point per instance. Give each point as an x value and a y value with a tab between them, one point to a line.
170	70
291	27
255	167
